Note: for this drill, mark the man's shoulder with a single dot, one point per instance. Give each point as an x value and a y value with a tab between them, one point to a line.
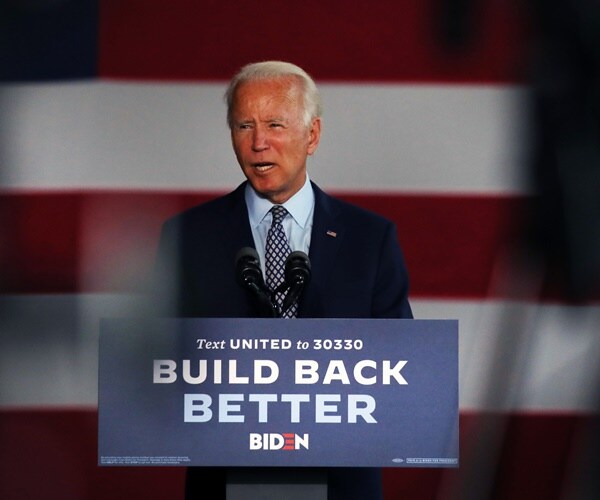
341	208
211	209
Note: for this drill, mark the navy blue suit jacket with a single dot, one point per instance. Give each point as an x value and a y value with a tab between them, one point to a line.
358	271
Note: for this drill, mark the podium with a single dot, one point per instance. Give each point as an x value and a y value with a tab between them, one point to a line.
284	396
290	484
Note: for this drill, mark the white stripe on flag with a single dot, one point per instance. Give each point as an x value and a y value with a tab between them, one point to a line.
421	138
49	350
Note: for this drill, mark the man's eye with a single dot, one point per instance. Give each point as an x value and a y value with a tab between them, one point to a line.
275	125
244	126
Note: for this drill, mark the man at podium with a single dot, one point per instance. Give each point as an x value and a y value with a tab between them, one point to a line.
351	256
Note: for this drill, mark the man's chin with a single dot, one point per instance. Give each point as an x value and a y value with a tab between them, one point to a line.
263	190
275	196
274	192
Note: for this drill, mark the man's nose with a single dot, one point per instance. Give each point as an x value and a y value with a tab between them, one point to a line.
259	139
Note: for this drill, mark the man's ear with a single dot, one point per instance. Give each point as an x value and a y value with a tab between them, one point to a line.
314	135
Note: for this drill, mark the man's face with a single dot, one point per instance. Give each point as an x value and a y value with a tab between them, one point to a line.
270	140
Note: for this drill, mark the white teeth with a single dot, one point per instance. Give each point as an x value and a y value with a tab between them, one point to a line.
263	168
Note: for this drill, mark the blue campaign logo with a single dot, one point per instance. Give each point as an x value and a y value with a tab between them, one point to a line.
234	392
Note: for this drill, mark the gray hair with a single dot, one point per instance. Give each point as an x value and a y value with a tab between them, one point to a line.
268	70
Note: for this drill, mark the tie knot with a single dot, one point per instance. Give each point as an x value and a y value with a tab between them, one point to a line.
278	212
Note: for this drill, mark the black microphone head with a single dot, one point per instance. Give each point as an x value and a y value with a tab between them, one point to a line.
247	267
297	268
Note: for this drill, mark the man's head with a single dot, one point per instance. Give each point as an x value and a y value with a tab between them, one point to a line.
273	111
268	70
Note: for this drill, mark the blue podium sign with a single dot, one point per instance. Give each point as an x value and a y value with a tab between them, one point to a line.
273	392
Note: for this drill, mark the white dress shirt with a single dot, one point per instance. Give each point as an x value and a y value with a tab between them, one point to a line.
297	228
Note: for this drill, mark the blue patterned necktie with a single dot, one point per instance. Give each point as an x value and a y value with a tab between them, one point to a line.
276	252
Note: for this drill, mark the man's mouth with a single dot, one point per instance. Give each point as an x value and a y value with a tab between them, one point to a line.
263	166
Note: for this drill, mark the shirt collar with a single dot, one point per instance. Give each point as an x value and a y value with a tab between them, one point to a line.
299	206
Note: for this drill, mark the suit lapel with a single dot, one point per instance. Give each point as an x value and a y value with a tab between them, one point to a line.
236	234
326	237
239	224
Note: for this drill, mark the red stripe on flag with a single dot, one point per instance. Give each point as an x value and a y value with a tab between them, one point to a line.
385	40
106	241
52	454
64	242
69	242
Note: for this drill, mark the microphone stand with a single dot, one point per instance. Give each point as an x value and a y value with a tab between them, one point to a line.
249	276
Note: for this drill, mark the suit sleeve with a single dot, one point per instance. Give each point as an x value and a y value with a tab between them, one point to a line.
390	294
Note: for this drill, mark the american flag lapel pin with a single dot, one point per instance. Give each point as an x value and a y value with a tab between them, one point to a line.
333	234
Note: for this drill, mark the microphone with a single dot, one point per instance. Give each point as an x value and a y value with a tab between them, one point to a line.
297	275
249	276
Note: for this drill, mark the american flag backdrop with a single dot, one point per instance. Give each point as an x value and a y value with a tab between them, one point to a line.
112	120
